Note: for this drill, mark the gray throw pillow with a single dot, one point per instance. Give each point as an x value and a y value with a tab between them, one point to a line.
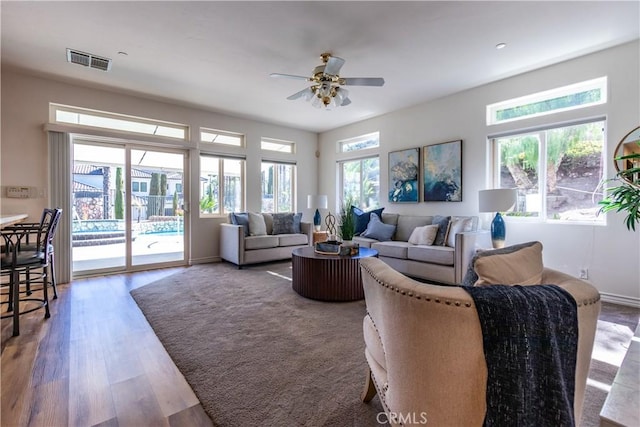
241	218
443	225
283	223
379	230
470	278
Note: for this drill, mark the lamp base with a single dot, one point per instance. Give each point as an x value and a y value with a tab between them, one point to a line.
498	231
317	219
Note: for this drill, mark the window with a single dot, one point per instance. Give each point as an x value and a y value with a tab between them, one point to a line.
557	171
221	185
139	187
178	188
276	145
221	137
360	181
118	122
363	142
278	187
579	95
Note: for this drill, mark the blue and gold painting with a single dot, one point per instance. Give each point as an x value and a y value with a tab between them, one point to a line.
404	182
442	172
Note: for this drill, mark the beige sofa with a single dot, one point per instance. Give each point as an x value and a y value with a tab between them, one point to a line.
442	264
241	250
424	346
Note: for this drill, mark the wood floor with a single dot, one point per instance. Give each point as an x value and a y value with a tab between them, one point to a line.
95	362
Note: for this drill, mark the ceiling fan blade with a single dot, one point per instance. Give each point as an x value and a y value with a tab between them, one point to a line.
362	81
333	65
306	93
289	76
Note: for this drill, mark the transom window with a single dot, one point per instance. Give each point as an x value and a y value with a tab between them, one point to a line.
118	122
557	171
277	145
579	95
363	142
214	136
221	185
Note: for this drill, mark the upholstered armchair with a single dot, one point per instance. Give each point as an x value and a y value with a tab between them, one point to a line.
424	347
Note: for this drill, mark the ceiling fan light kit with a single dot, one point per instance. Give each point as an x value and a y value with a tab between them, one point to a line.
327	91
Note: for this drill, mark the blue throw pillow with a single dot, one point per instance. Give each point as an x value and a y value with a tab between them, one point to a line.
361	218
379	230
443	225
297	219
241	218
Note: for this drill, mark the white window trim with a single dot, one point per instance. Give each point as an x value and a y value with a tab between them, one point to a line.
344	142
218	132
597	83
221	158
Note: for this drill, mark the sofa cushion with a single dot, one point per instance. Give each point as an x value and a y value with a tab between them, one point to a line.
364	241
443	225
457	225
389	218
240	218
283	223
443	255
424	235
268	221
293	239
257	225
361	218
379	230
408	223
260	242
392	249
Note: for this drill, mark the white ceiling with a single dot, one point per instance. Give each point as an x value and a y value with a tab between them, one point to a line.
218	55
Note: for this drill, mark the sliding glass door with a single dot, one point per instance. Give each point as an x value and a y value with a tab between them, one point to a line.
127	207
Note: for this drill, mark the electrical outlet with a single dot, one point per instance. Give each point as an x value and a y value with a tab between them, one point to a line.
584	273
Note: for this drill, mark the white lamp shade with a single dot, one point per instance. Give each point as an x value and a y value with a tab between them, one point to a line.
497	200
317	202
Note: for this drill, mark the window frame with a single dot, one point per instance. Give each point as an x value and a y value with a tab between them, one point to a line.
221	184
342	144
270	144
599	83
223	133
543	215
361	202
276	184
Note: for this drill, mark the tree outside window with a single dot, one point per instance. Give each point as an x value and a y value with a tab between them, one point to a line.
557	171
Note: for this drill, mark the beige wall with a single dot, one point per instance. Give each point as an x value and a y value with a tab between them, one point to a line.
611	253
25	111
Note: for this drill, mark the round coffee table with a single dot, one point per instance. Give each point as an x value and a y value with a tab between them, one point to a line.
328	277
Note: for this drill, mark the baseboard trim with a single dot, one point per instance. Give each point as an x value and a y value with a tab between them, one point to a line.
206	260
620	299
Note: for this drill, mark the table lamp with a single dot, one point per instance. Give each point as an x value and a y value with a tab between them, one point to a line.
497	200
318	202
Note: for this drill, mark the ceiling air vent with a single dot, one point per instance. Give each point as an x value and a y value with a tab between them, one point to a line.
88	60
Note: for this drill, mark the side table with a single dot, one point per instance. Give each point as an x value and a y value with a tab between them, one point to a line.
320	236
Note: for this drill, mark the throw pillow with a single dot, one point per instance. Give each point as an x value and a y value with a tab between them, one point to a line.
424	235
443	224
241	218
283	223
471	277
361	218
297	219
457	225
257	226
379	230
521	267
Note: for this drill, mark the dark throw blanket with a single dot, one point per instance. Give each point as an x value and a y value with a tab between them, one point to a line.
530	336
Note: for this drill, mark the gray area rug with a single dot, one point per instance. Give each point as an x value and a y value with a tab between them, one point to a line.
257	353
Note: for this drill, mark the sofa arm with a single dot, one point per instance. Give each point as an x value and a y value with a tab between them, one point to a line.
467	243
232	243
307	228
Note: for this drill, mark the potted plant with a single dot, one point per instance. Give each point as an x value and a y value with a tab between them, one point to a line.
625	196
347	225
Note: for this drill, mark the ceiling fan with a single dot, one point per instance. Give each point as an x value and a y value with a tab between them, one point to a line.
326	89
